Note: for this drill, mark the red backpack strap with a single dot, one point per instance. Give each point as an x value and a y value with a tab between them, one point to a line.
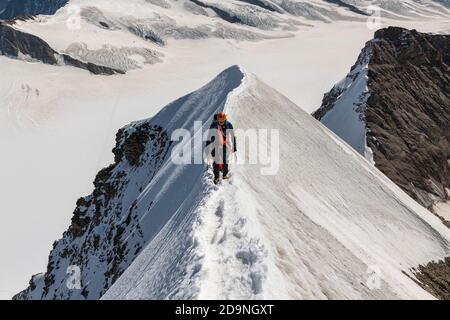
222	137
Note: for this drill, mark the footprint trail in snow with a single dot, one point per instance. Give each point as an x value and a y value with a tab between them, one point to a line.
234	254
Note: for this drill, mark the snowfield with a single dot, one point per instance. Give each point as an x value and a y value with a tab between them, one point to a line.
58	123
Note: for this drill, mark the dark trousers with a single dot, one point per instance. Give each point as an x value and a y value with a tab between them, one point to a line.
216	169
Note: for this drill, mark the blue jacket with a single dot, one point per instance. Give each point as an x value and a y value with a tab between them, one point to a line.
228	133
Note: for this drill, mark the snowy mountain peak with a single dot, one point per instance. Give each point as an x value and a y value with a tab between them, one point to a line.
133	199
153	229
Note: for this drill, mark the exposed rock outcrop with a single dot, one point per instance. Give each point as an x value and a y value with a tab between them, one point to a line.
348	6
435	278
407	112
105	235
21	45
272	7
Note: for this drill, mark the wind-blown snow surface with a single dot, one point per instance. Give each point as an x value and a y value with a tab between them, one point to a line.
314	230
58	124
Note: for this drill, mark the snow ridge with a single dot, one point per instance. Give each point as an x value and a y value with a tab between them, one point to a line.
235	253
142	207
234	265
314	230
343	108
288	236
220	253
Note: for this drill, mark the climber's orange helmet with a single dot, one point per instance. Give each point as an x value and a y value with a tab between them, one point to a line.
221	117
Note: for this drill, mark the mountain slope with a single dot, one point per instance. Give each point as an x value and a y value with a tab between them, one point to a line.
395	104
153	229
111	226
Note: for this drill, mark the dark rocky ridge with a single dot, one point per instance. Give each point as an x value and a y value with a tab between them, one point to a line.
14	43
262	4
348	6
221	13
16	8
435	278
408	111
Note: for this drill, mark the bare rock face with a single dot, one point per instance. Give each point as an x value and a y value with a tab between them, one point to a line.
407	112
435	278
14	43
348	6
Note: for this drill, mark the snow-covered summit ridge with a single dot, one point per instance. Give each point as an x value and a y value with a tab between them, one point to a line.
288	235
156	230
133	199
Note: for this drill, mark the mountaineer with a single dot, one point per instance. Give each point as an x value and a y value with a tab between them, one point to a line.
221	138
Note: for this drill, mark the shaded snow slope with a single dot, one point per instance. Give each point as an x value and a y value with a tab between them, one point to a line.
317	229
343	108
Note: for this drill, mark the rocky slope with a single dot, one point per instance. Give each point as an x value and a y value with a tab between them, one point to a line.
24	46
398	93
435	278
16	8
105	234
